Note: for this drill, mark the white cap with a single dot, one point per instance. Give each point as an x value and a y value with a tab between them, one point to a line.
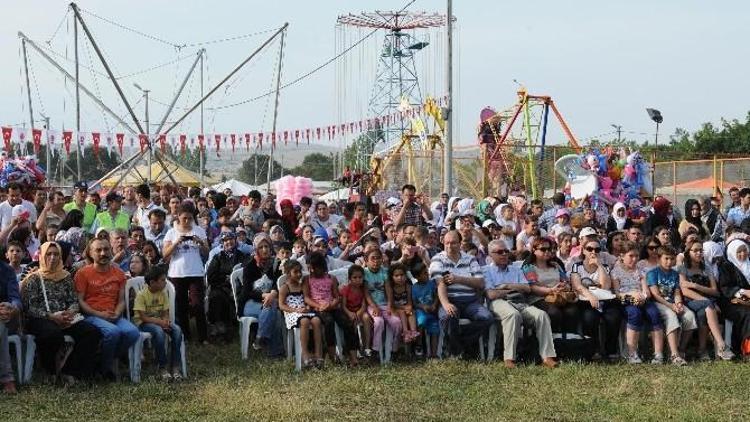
587	231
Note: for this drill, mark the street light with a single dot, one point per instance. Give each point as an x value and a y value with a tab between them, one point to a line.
618	128
656	116
148	129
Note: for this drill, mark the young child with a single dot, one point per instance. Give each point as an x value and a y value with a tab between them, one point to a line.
298	314
563	223
357	225
15	254
664	283
375	280
322	294
355	306
152	316
398	293
629	284
345	238
299	249
424	296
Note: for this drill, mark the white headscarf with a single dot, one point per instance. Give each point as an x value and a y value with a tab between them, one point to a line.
743	266
619	221
710	251
466	206
451	214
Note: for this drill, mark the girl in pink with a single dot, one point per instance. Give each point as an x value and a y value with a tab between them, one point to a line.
398	293
375	277
321	292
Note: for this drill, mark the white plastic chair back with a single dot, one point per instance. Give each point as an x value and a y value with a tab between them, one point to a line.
281	281
171	294
236	281
137	284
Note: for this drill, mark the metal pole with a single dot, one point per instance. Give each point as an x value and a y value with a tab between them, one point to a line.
148	136
275	113
47	156
85	90
78	102
28	86
200	150
448	178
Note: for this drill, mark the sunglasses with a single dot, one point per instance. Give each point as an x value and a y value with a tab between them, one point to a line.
501	252
594	249
652	247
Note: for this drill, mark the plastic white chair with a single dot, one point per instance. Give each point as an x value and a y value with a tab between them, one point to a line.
30	355
245	322
172	295
15	340
462	321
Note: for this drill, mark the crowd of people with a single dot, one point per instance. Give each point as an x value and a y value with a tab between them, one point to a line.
414	268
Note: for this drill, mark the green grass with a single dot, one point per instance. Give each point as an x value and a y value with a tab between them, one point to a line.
223	387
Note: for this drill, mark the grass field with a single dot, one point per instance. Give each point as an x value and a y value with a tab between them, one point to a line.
223	387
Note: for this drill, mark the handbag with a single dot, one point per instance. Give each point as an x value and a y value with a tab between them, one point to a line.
598	293
743	301
561	298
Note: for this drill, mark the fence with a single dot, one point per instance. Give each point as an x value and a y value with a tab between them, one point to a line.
674	176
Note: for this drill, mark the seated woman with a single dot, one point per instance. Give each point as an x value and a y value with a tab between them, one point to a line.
589	277
546	277
734	285
220	316
52	312
259	294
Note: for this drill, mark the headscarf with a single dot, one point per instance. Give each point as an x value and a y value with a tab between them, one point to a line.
619	221
290	220
661	206
55	273
466	206
485	208
263	263
743	266
710	251
453	201
695	221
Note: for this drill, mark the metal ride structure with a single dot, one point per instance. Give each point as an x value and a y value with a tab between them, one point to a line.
509	147
396	84
151	138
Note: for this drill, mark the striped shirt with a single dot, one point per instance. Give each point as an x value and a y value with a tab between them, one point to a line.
466	266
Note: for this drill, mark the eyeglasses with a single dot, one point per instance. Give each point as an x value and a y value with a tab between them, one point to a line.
544	249
501	252
593	249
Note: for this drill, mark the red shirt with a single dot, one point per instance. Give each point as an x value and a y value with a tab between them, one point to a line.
354	297
356	227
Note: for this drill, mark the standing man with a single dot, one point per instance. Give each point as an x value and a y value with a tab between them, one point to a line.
506	289
739	212
415	209
460	285
101	295
143	197
113	217
79	203
156	228
15	198
129	203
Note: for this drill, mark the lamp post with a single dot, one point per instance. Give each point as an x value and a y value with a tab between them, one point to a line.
148	130
618	128
656	116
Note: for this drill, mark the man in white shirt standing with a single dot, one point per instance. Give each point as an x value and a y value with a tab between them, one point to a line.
15	198
143	196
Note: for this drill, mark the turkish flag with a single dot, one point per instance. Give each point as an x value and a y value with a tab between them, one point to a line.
286	136
183	140
308	136
233	140
296	137
200	141
317	131
96	137
120	140
247	141
36	136
260	140
143	139
163	142
67	139
217	140
7	134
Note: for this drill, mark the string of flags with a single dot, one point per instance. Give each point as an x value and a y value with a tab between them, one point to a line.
67	140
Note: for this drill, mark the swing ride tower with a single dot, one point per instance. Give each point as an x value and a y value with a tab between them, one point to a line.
396	86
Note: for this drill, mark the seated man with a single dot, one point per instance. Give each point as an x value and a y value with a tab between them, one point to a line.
506	289
10	305
460	285
101	295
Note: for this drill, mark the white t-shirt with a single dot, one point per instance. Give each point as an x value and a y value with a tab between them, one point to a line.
186	258
6	213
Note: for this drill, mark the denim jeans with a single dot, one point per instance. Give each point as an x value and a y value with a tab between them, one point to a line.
6	370
158	337
268	328
117	337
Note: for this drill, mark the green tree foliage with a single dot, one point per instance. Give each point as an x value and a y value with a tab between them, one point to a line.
93	166
190	160
357	155
247	172
730	137
316	166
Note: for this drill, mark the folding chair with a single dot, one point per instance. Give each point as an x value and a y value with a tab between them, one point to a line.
245	322
15	340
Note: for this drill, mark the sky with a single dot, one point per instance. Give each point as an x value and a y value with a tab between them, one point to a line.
603	63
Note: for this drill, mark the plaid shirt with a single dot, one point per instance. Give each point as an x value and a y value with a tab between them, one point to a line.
466	266
413	215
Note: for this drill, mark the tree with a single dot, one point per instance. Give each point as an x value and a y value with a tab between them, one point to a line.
190	160
316	166
247	173
93	166
732	137
358	154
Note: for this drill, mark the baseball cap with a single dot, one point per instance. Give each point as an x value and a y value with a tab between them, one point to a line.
19	211
392	202
489	222
561	212
81	184
318	238
587	231
227	235
113	196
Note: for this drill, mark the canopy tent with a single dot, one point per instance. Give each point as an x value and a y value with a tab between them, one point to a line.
237	187
336	195
159	174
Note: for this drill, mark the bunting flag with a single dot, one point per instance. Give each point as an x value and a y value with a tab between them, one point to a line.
95	137
217	140
109	145
233	139
7	134
286	136
120	140
163	143
183	146
51	140
143	139
81	141
260	140
36	136
308	136
200	142
247	141
67	139
296	137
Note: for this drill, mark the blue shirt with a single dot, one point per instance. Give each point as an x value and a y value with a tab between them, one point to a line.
375	283
736	215
9	291
666	281
424	293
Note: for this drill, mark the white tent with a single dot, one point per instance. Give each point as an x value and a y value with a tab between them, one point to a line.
237	187
335	195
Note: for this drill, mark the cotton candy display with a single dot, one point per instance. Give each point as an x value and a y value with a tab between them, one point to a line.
292	188
22	170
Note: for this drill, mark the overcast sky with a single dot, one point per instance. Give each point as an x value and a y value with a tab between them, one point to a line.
602	62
